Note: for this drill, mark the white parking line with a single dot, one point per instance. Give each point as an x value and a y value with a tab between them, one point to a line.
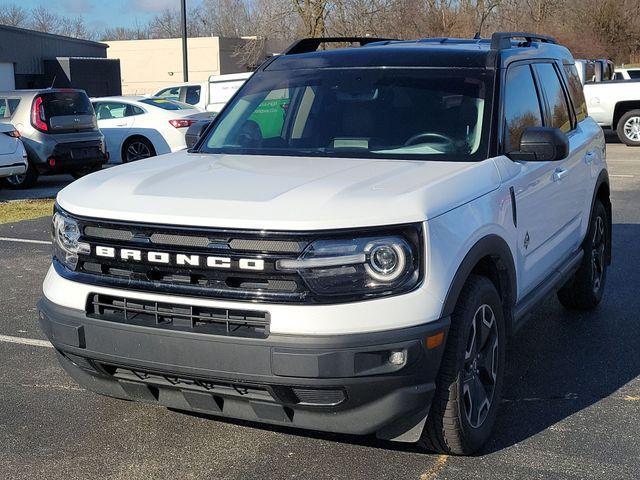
24	240
25	341
623	176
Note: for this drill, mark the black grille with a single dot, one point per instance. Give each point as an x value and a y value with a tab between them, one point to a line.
267	284
215	321
319	397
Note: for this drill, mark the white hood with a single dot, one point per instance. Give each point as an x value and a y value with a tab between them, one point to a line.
277	193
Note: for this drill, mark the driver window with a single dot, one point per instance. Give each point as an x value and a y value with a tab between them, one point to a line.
521	106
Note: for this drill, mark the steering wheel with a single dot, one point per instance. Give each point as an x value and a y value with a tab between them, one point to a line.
437	136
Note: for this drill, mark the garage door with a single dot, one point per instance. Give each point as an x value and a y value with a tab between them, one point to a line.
7	77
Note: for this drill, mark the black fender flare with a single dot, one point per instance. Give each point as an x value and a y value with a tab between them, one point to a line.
603	179
497	248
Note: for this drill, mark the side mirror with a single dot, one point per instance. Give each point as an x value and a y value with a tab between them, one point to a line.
194	132
542	144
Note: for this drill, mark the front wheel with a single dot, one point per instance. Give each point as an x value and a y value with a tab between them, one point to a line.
470	379
584	291
628	128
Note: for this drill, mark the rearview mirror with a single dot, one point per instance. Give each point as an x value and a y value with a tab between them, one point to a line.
194	132
542	144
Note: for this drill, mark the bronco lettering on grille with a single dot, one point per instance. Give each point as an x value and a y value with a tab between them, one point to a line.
165	258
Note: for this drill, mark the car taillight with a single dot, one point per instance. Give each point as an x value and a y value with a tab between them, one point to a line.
38	117
182	123
13	133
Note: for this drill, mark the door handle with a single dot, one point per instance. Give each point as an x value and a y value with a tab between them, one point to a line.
589	156
559	174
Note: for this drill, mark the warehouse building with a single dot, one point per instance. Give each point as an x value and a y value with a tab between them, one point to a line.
149	65
30	59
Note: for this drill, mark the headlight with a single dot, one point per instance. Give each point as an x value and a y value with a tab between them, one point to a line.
66	240
363	266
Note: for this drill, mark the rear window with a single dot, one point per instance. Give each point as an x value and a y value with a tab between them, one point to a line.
62	104
166	104
8	106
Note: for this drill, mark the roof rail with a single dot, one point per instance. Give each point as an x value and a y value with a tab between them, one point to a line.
307	45
502	40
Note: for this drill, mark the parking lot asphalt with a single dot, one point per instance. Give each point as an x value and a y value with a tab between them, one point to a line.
571	406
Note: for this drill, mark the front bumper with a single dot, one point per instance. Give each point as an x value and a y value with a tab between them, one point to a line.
341	383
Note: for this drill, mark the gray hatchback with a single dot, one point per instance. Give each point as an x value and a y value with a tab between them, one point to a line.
59	131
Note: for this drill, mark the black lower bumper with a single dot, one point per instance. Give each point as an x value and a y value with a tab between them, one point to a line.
71	157
342	384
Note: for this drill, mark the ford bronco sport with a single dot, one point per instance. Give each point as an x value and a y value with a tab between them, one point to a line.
349	245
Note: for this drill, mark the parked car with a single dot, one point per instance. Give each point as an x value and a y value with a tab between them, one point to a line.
13	157
59	132
195	131
140	127
354	259
211	95
627	74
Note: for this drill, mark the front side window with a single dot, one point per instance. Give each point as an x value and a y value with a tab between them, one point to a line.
634	73
521	106
556	99
576	92
370	113
110	110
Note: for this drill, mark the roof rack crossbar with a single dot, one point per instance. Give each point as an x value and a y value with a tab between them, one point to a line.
502	40
307	45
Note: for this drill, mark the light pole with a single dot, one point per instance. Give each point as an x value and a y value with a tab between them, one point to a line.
183	21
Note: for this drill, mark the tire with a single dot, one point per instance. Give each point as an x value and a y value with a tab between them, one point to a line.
628	128
24	180
85	171
137	148
455	424
585	289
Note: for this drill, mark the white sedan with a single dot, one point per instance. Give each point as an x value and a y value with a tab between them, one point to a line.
142	127
13	157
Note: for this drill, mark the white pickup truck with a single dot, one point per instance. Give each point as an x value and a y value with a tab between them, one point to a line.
613	104
211	95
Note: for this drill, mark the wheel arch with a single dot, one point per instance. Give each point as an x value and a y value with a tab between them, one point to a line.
490	257
136	136
621	108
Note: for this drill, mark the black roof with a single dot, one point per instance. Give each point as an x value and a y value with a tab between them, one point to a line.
497	52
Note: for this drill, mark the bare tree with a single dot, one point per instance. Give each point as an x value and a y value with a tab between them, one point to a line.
13	15
44	20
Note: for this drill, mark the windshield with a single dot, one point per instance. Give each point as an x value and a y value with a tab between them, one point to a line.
166	104
366	112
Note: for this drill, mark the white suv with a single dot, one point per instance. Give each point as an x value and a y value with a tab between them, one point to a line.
349	245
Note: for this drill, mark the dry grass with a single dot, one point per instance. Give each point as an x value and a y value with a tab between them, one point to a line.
15	211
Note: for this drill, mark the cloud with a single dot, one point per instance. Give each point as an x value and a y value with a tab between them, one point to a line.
78	7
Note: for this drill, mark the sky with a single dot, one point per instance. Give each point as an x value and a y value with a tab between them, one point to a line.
101	14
